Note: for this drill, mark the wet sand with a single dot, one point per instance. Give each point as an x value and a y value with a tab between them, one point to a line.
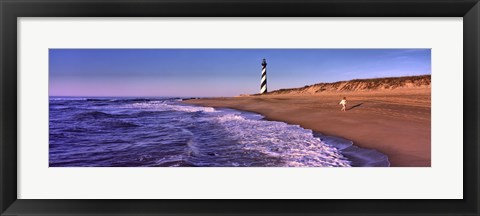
393	122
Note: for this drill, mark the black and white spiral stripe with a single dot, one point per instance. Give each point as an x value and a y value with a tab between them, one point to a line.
263	85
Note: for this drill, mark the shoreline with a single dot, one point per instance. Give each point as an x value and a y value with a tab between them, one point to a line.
360	157
394	123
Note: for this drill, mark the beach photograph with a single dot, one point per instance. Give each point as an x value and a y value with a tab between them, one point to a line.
240	107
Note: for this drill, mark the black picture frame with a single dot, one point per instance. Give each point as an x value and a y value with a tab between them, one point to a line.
10	10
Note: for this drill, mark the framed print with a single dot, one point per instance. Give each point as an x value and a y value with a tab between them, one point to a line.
225	107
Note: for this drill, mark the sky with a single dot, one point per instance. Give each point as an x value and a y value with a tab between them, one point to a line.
219	72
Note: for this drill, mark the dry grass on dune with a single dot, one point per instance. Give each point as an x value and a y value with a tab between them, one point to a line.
360	85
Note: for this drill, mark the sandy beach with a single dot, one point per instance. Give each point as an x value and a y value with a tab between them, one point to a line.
393	122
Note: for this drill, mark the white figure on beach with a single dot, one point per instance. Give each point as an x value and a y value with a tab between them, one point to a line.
343	102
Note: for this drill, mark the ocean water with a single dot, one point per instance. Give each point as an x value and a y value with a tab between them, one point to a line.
164	132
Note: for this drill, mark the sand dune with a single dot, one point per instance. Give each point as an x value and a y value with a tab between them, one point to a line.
360	85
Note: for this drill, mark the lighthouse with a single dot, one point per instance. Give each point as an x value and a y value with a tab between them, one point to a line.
263	82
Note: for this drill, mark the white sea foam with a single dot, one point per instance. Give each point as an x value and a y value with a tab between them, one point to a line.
295	145
165	106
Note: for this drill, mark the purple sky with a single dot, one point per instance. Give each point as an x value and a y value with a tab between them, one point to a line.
219	72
